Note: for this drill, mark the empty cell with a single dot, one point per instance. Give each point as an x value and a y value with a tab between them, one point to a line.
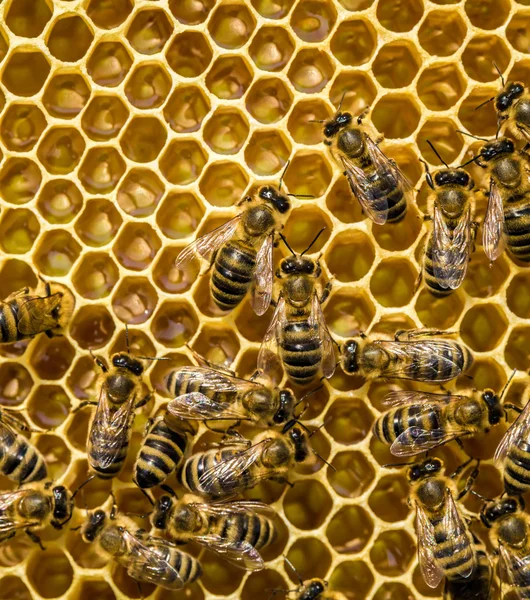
392	553
48	406
258	585
448	143
220	577
342	204
22	126
148	86
186	108
58	457
272	9
179	215
99	222
393	591
135	300
101	170
61	150
313	20
483	278
92	327
518	32
389	498
307	504
310	71
95	588
191	12
15	275
19	229
398	16
483	327
56	253
51	577
66	95
28	18
15	383
439	313
129	586
104	117
516	351
223	184
350	529
143	139
268	100
520	70
308	174
231	25
149	31
350	256
140	344
488	14
478	121
109	64
189	54
51	358
310	558
108	15
136	246
354	42
229	78
13	553
400	235
353	474
25	72
174	324
217	344
182	162
480	54
271	49
396	64
518	295
302	123
348	421
226	131
393	282
11	587
267	152
384	116
356	4
140	193
95	276
441	86
486	373
348	311
82	381
442	32
69	39
302	228
352	578
251	326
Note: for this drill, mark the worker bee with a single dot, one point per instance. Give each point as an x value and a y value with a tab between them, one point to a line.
451	241
20	461
475	587
24	315
420	421
312	589
375	180
240	251
33	507
146	558
406	357
237	531
445	544
298	332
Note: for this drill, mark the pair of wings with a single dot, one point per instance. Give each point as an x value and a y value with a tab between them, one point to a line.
519	431
206	245
514	573
37	314
202	406
12	522
451	249
493	239
365	186
268	354
416	440
455	530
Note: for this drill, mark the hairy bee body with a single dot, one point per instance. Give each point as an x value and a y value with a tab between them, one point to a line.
475	587
315	589
300	348
513	108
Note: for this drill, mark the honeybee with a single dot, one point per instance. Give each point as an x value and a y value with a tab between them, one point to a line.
237	531
240	251
24	315
20	461
229	470
298	332
453	234
312	589
420	421
375	180
445	544
406	357
475	587
34	507
146	558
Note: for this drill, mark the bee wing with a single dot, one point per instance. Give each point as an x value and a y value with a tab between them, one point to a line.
405	397
12	522
8	436
239	553
513	570
211	380
198	407
384	165
261	292
493	226
415	440
451	249
209	242
268	353
32	318
455	529
328	352
227	509
518	430
430	569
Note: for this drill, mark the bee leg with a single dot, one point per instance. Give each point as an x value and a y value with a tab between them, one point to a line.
99	362
243	200
144	400
34	538
327	291
469	482
83	404
510	406
363	115
114	507
204	361
410	334
140	590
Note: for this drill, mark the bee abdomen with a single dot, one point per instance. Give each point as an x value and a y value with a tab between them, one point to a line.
301	351
8	322
453	553
431	281
394	422
232	274
257	530
179	383
518	231
22	462
397	205
517	470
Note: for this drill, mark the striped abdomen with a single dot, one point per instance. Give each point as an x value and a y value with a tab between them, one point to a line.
160	455
517	469
259	531
20	461
100	440
517	226
431	281
232	274
9	323
475	587
186	380
301	351
383	189
395	421
453	551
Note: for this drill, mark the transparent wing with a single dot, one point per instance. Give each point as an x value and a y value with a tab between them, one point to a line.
268	354
198	407
209	242
35	315
515	570
228	509
430	569
261	292
13	521
457	531
7	437
385	164
239	553
405	397
493	226
328	351
415	440
212	381
519	431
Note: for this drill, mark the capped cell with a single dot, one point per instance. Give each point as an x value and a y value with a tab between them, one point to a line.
149	31
22	126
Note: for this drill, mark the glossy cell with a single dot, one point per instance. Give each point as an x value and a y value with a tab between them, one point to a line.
189	54
267	152
19	229
483	327
109	64
186	108
310	71
25	72
135	300
229	77
271	48
95	275
143	139
174	323
22	126
66	95
136	246
442	32
231	25
149	31
268	100
353	578
98	223
353	475
51	358
56	253
101	170
15	383
392	552
69	38
104	117
61	150
182	162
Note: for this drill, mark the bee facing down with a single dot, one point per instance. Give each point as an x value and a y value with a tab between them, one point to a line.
375	180
312	589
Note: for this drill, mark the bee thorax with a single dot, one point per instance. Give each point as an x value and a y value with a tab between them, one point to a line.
431	492
258	221
469	413
351	142
512	530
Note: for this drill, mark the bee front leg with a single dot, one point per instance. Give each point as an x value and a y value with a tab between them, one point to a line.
470	481
327	291
99	362
245	199
34	538
83	404
144	400
363	115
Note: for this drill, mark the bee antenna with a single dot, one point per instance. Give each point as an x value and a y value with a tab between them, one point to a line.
430	182
481	496
395	465
80	487
283	173
287	244
475	137
315	239
127	338
319	427
293	569
317	121
154	357
507	384
437	153
313	391
484	103
324	460
341	100
169	490
468	162
499	72
302	195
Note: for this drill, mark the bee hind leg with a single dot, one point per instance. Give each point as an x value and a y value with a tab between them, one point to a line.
469	481
34	538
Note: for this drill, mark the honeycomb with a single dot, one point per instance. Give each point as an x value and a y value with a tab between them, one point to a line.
129	126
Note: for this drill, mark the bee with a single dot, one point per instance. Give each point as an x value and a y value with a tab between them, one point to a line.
312	589
237	531
453	234
33	507
406	357
240	251
420	421
24	315
475	587
146	558
298	331
445	544
375	180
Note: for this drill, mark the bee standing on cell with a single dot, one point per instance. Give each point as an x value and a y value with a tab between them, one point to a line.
312	589
475	587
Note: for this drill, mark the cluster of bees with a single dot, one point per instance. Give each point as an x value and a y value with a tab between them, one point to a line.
240	256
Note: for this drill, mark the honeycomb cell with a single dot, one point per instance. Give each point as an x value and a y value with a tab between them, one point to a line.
393	591
385	111
307	504
140	344
25	72
109	64
219	577
13	587
389	498
49	406
349	311
182	162
258	585
483	327
309	173
81	382
310	558
271	49
488	15
310	71
517	295
162	368
191	12
136	246
109	15
22	126
143	139
149	31
223	184
51	577
250	326
350	530
231	25
353	43
353	475
393	282
352	578
303	125
423	588
267	152
174	323
392	553
486	373
66	95
342	204
217	344
480	54
15	275
104	117
134	300
98	223
348	421
516	351
186	108
518	31
140	192
189	54
69	38
313	20
19	229
61	150
57	455
226	131
485	279
448	143
92	327
273	9
439	313
179	215
148	86
442	32
482	122
95	588
268	100
396	64
95	276
15	383
400	235
56	253
77	429
441	86
101	170
28	18
229	78
51	358
350	256
303	226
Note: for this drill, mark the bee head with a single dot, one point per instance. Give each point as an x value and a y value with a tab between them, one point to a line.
279	201
510	93
300	442
313	589
126	361
497	147
349	351
333	126
495	410
62	506
299	265
496	510
95	524
427	468
453	177
160	515
286	407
